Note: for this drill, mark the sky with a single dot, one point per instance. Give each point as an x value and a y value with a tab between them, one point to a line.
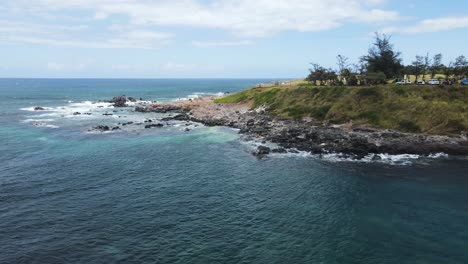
216	38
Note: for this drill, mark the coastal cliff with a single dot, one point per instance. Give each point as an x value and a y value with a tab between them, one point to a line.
312	119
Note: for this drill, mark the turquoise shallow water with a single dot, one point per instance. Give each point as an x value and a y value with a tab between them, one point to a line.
171	196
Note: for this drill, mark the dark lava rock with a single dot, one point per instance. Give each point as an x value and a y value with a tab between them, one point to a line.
128	123
116	128
179	117
107	114
159	109
279	150
102	128
154	125
77	113
119	101
38	108
262	151
87	114
131	99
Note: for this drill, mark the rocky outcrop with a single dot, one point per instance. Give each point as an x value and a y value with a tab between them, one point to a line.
119	101
262	151
178	117
160	108
38	108
102	128
154	125
316	137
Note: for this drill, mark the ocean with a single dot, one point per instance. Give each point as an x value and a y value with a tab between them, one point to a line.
185	193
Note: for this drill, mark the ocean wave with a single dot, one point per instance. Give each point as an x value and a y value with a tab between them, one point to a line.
398	159
198	95
31	109
45	125
31	120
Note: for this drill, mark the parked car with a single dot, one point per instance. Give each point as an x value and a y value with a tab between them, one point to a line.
420	82
448	82
402	82
433	82
464	81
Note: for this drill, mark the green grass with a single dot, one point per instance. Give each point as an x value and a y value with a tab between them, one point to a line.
419	109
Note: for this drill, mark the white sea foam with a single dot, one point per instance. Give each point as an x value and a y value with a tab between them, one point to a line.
30	120
401	159
438	155
45	125
31	109
198	95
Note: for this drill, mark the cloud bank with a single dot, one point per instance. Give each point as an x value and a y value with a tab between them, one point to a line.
239	18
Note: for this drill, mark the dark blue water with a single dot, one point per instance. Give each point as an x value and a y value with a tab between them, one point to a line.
172	196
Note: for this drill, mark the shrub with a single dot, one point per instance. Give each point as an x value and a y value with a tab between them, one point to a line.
320	112
375	78
399	90
409	126
352	80
371	116
368	92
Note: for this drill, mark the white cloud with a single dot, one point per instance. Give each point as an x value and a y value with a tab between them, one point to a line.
75	36
206	44
431	25
240	17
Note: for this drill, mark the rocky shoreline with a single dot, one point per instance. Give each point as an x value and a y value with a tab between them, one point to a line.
289	135
307	134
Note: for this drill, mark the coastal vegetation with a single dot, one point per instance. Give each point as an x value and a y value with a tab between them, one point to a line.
383	64
368	95
417	109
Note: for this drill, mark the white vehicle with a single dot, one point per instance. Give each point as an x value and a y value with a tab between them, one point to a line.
403	82
420	82
433	82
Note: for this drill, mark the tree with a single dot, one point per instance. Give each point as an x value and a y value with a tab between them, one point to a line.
344	69
375	78
418	66
321	75
461	67
427	64
317	74
383	58
448	70
331	77
436	65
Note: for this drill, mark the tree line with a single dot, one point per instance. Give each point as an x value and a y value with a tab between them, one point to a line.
383	63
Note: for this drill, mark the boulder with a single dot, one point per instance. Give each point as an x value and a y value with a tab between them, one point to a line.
262	151
279	150
38	108
119	101
102	128
179	117
154	125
